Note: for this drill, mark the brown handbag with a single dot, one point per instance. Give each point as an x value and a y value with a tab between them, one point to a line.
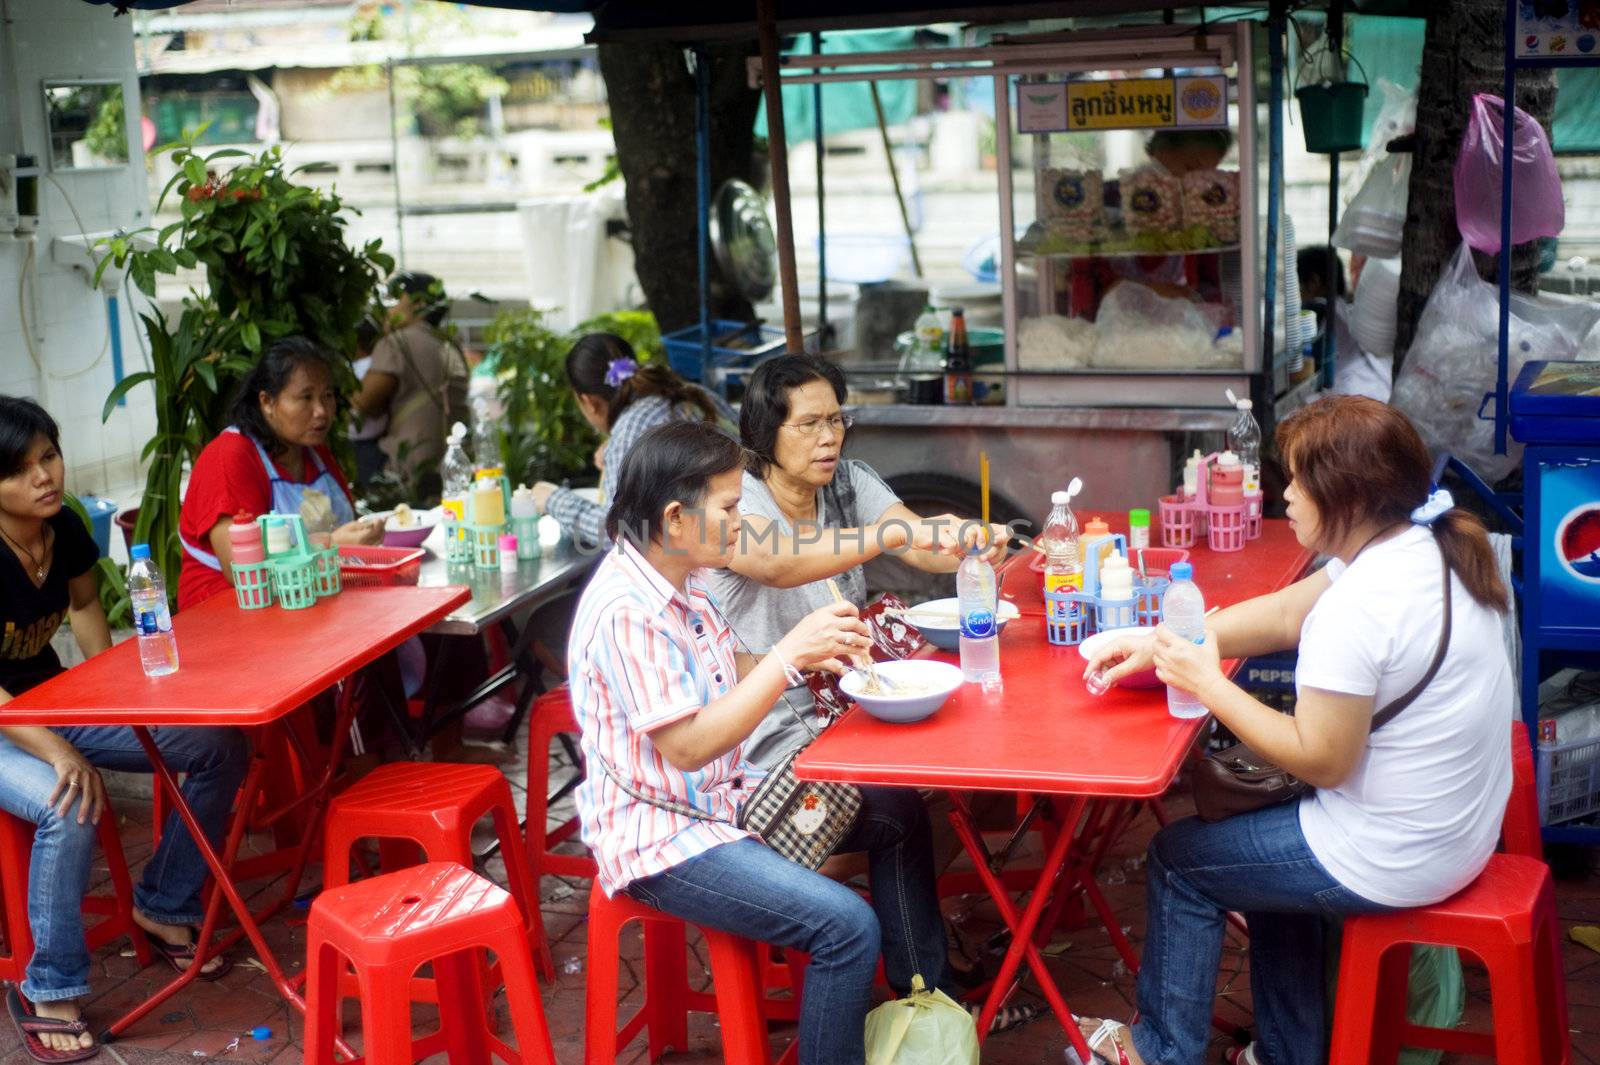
1237	780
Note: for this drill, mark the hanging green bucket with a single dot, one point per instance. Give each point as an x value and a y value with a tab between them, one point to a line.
1331	112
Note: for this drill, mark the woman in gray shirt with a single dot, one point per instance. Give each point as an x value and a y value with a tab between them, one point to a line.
811	516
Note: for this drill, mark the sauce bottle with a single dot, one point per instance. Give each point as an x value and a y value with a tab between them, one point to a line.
958	361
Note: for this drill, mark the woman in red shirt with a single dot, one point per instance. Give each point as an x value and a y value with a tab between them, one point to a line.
274	457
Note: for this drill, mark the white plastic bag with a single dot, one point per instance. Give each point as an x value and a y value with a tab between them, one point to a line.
924	1028
1137	328
1451	365
1373	223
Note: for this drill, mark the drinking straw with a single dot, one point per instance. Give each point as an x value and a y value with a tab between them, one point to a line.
983	481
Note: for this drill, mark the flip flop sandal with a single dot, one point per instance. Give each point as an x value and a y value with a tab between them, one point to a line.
181	958
1245	1055
1007	1017
31	1026
1107	1030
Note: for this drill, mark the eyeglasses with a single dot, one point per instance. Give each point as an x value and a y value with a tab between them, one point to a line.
812	426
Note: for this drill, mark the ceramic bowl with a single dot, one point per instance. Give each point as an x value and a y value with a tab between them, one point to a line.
943	632
934	682
1091	647
422	523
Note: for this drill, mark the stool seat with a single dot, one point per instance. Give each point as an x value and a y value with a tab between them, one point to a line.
440	791
1504	897
386	927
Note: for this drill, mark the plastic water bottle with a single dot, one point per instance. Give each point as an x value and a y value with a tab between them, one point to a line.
1183	611
1244	440
929	350
456	469
977	599
485	433
152	620
1063	570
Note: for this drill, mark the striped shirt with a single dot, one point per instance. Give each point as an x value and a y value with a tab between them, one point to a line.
642	656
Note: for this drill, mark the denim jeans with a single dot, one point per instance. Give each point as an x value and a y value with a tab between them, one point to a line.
214	760
747	889
1257	864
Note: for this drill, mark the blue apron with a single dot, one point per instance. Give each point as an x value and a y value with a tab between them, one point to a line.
286	498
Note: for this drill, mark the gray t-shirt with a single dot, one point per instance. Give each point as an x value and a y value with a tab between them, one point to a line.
761	615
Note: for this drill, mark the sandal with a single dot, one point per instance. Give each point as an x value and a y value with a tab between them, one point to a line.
1245	1055
1007	1017
1108	1030
182	957
30	1026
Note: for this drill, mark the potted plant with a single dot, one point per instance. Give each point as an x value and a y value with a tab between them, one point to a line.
276	263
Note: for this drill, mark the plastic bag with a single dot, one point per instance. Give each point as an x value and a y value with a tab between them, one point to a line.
1536	207
1436	995
1138	328
924	1028
1373	222
1451	364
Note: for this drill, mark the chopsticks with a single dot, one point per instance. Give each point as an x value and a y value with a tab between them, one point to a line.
873	686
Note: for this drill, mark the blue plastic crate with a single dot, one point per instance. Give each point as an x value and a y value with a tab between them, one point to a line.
732	344
100	512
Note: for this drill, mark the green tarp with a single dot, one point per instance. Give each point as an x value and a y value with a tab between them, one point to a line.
846	105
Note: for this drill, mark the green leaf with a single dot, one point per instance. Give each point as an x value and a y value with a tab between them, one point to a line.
194	168
251	335
186	258
226	153
207	373
280	245
133	380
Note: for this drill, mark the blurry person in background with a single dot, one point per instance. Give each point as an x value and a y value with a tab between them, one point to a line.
417	380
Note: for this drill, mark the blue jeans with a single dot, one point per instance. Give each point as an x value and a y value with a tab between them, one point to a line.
747	889
1257	864
214	760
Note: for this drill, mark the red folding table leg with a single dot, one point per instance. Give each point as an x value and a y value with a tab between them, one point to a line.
1022	945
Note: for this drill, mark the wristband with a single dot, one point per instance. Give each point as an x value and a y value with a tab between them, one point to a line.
792	676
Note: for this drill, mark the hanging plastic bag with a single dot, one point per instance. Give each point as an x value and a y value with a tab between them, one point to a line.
1435	992
1451	364
924	1028
1373	223
1536	207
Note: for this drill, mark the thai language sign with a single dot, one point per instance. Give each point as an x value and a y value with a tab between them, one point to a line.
1123	103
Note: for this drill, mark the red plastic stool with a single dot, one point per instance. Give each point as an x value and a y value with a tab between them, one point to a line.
389	926
433	805
551	714
1506	917
115	910
735	973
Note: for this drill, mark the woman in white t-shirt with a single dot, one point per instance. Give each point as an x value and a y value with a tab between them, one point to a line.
1402	816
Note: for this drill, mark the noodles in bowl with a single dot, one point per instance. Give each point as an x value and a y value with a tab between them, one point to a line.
911	690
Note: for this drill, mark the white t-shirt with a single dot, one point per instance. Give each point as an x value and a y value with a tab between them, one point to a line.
1420	815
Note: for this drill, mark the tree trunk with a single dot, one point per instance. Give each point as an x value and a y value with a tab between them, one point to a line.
1463	54
652	96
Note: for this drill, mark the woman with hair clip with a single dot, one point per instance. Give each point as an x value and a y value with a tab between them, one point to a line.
50	777
623	400
1408	803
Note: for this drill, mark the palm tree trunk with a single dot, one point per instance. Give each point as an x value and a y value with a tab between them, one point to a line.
1463	54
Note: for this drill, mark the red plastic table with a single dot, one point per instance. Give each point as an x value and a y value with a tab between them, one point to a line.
239	668
1045	735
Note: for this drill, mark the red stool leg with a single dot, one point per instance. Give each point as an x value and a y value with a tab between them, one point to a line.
323	965
16	845
386	1017
527	1014
600	1044
463	1015
1552	982
1372	971
736	972
524	888
666	986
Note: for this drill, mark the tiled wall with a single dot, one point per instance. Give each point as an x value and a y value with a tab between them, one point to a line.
69	368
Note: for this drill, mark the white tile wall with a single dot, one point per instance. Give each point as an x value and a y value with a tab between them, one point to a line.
54	328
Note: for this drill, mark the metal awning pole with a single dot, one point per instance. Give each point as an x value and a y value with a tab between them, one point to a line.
394	174
824	333
702	183
772	87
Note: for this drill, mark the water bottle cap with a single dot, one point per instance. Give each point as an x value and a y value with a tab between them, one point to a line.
1244	404
1182	571
1059	499
139	551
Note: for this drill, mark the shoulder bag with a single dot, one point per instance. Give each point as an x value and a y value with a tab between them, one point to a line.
803	820
1236	780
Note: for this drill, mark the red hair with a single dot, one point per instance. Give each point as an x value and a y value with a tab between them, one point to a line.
1361	461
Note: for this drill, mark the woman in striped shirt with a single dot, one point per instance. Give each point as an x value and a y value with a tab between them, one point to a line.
665	702
622	400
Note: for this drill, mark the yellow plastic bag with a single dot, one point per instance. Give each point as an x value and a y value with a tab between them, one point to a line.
924	1028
